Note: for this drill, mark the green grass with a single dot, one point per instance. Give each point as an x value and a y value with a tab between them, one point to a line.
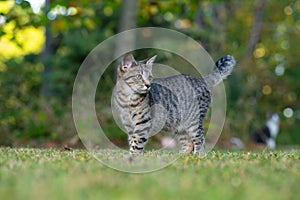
50	174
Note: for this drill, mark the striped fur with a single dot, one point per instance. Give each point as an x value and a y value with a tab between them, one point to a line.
178	104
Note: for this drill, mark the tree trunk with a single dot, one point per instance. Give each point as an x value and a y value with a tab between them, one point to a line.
218	17
46	86
256	26
127	21
213	29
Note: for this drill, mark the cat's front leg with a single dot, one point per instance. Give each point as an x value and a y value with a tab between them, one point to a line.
140	136
129	128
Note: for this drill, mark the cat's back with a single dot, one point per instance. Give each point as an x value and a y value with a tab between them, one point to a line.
181	84
180	92
179	77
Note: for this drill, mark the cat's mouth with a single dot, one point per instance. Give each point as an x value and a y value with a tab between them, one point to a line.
144	90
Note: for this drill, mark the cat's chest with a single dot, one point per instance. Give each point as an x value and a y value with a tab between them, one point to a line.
273	128
131	103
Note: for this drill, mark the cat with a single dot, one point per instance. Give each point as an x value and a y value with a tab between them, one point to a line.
267	134
177	104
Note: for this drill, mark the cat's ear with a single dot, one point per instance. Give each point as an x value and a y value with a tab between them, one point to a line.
127	62
269	114
150	61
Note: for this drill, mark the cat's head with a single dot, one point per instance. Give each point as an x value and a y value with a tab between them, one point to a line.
136	74
274	117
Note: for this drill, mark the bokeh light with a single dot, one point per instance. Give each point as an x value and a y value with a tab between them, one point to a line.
279	70
266	90
288	10
288	112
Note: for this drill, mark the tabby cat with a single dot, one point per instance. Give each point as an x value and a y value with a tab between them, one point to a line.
177	104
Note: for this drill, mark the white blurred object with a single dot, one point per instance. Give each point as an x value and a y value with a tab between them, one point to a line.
273	124
168	142
266	135
236	142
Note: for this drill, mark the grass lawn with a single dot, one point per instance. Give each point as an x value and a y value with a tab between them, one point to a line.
50	174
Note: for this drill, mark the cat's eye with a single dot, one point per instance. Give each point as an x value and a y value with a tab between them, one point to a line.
150	77
139	77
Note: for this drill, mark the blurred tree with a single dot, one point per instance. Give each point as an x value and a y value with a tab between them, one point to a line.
49	50
127	20
256	26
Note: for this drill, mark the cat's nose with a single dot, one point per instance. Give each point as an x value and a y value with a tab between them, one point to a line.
148	85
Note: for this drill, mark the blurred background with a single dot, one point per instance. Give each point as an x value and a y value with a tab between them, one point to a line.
43	43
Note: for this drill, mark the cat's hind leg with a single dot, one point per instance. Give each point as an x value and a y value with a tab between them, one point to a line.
186	143
198	139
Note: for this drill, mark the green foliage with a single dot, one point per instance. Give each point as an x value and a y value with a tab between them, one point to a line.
19	83
24	113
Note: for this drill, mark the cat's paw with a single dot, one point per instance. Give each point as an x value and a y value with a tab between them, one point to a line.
134	150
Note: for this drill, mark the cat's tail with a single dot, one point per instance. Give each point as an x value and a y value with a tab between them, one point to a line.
223	68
